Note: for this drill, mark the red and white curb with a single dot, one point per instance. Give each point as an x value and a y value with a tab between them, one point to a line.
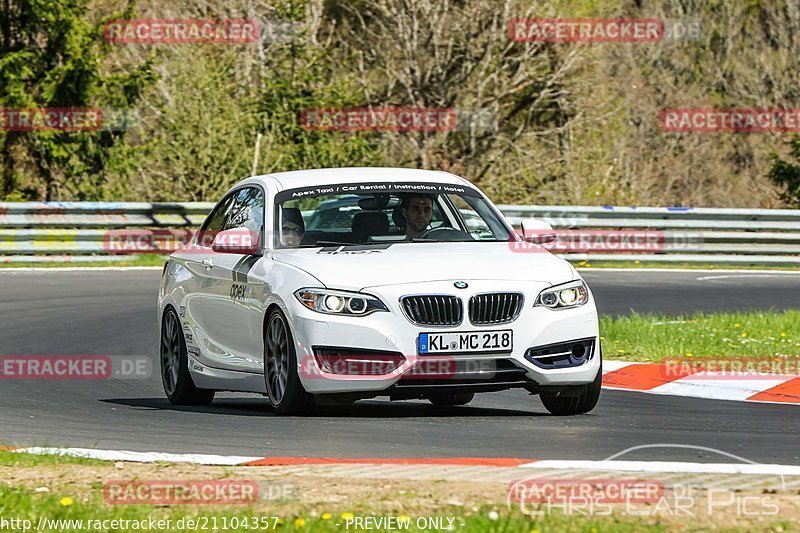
655	378
666	467
497	469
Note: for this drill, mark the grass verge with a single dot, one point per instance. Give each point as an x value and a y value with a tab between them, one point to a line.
653	338
65	511
9	458
52	495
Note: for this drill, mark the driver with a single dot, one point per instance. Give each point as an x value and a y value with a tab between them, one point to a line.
418	212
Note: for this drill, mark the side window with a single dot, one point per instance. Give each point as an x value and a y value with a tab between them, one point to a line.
214	223
476	225
438	220
246	210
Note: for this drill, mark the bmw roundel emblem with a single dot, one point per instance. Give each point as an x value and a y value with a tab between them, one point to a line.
460	285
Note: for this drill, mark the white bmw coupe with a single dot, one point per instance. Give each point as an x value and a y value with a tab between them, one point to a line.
330	286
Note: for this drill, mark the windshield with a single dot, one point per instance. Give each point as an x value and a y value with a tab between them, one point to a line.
384	213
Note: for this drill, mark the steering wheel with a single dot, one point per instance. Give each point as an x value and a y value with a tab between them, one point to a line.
445	233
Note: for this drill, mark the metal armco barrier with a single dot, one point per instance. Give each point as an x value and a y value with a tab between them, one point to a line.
101	214
715	235
85	231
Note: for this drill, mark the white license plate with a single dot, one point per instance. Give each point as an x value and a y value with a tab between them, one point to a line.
466	342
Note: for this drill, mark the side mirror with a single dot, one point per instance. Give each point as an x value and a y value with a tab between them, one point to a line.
537	231
236	241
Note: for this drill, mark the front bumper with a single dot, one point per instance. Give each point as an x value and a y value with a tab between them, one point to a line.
393	332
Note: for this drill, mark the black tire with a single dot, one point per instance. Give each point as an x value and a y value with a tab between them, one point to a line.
175	377
452	398
576	405
286	393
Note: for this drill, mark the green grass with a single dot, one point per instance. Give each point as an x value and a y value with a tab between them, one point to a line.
64	506
28	505
67	502
137	261
722	335
10	459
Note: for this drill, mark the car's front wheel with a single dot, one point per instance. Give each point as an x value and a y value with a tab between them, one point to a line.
575	405
285	391
175	377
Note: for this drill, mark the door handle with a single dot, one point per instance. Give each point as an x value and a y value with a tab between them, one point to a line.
208	263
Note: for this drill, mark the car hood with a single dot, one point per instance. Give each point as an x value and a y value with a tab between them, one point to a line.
359	267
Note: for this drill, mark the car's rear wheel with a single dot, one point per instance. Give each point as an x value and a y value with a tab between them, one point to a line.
285	391
175	377
452	398
575	405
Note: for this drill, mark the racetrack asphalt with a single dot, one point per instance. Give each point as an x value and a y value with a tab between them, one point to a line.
114	312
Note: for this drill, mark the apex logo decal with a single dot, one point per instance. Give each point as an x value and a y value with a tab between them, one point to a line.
239	292
347	250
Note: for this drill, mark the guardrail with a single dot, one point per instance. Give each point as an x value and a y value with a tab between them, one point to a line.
79	231
716	235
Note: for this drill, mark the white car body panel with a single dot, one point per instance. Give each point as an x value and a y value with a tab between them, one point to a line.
224	334
419	262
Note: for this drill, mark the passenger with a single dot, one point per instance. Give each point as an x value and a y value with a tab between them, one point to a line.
292	227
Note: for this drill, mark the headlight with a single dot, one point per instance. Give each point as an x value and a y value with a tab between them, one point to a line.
568	295
339	302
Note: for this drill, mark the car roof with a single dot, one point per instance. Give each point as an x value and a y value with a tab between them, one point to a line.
329	176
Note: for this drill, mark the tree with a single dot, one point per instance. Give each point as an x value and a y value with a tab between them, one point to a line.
201	118
786	174
51	56
458	55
